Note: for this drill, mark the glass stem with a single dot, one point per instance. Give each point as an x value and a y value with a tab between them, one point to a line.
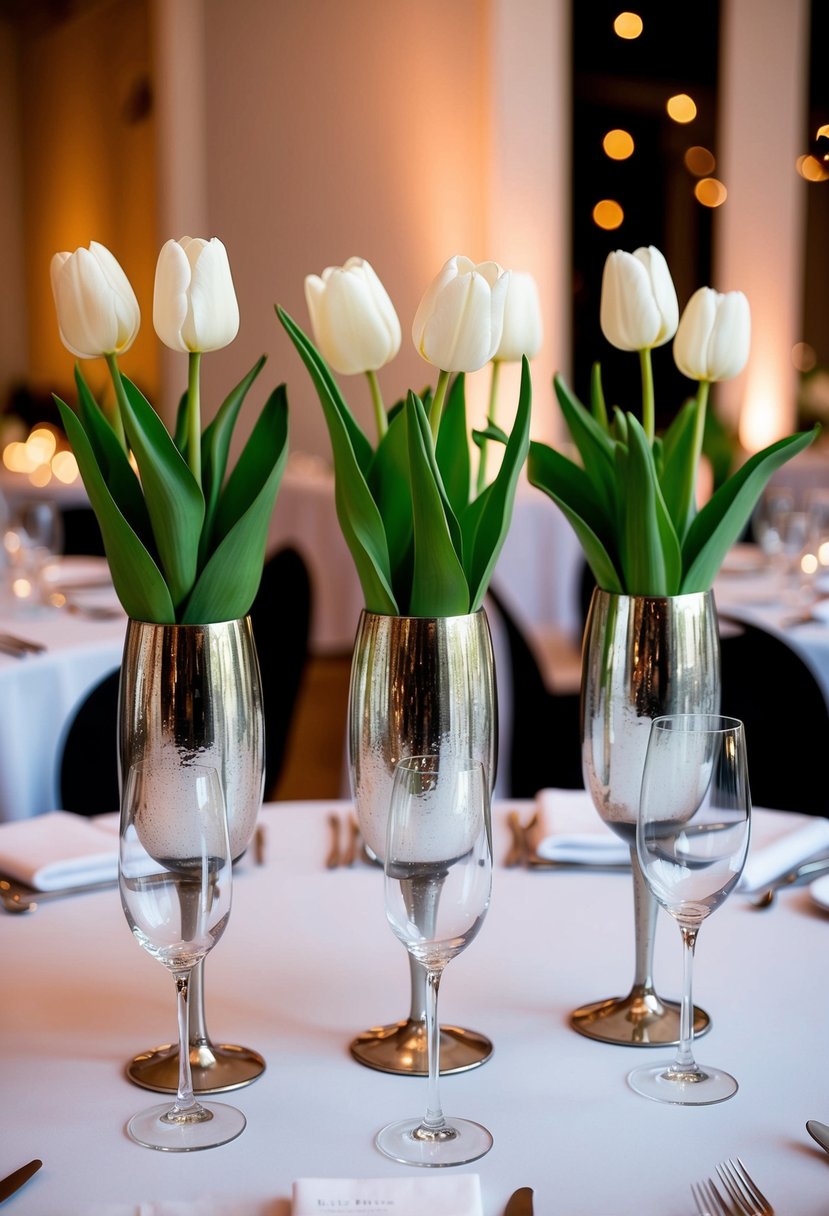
185	1101
684	1061
434	1115
644	915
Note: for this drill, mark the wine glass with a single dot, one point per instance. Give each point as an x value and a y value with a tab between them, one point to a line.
438	869
175	882
692	838
775	502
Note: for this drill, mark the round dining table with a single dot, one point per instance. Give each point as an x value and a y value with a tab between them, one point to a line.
308	961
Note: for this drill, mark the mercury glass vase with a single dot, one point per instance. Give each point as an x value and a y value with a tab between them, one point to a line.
643	656
194	692
419	685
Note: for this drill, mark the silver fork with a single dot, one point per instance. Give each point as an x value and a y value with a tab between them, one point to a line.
708	1200
749	1200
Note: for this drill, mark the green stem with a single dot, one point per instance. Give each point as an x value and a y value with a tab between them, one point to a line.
491	419
120	397
194	415
377	402
437	404
648	422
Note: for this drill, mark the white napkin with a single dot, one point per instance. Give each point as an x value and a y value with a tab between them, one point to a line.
578	835
772	861
450	1195
59	849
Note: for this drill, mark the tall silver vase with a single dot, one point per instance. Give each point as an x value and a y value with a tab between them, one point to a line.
194	691
419	685
643	656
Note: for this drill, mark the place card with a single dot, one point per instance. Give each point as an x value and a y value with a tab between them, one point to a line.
458	1195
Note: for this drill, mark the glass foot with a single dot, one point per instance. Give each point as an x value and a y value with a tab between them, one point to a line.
150	1129
701	1087
458	1142
216	1068
640	1019
402	1048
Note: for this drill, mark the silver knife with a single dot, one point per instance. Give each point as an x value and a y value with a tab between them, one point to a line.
520	1202
819	1132
14	1182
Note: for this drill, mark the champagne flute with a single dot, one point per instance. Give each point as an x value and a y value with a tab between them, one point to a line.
692	838
438	878
175	882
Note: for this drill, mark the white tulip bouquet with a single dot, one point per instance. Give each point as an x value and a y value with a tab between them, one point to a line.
632	499
185	544
422	544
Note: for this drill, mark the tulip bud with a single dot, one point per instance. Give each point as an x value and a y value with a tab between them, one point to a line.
98	313
194	303
714	335
522	320
459	321
353	319
639	308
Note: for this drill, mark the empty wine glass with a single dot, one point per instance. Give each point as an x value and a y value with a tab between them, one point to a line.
692	838
438	869
175	881
774	503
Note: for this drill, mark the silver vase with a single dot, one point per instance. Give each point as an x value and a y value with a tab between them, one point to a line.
194	692
419	685
643	656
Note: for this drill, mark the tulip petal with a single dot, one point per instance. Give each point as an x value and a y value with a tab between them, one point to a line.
212	320
122	297
729	344
170	295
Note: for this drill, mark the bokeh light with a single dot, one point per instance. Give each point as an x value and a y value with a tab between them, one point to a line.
618	144
700	161
710	192
681	108
804	356
608	214
812	169
628	25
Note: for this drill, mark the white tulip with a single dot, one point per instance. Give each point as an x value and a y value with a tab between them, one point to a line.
353	319
639	308
522	320
194	302
459	321
98	313
714	335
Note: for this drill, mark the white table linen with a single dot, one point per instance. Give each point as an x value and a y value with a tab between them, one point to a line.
308	960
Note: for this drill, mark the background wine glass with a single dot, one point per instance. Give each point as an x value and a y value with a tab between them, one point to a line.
32	535
692	839
175	882
438	877
775	502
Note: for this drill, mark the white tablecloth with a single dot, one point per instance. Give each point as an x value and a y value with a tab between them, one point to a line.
308	960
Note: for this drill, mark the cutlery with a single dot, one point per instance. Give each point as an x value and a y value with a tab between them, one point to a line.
520	1202
333	858
18	898
796	877
530	835
349	855
20	647
14	1181
743	1190
819	1132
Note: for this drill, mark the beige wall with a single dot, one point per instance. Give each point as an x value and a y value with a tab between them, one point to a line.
14	359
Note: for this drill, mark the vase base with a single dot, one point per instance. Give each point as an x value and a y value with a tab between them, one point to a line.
640	1019
401	1048
215	1068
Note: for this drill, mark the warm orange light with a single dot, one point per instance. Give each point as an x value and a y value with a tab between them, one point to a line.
823	132
681	108
628	25
41	476
700	161
608	214
16	458
710	192
804	356
41	445
618	144
65	467
809	563
812	169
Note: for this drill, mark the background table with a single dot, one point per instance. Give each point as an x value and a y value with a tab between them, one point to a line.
308	960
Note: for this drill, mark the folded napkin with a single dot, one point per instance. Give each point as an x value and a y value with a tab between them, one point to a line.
578	835
59	849
458	1195
766	864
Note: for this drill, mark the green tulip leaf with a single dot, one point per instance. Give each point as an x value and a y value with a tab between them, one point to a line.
229	581
138	581
678	475
721	521
439	586
619	429
452	447
215	446
172	494
570	488
493	525
180	431
359	517
113	461
490	431
594	444
388	480
651	556
597	402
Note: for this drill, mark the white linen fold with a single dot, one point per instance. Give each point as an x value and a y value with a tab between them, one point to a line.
458	1195
577	834
59	849
771	861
